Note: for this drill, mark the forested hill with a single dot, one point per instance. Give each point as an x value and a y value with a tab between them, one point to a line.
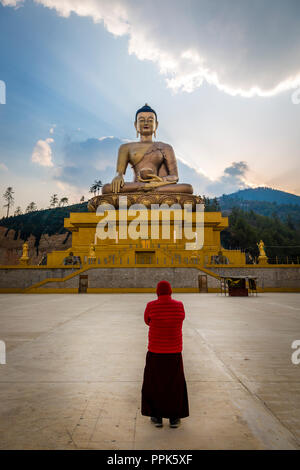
263	201
246	228
270	209
264	194
40	222
278	225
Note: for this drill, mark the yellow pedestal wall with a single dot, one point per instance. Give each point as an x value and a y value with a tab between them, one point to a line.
83	227
111	264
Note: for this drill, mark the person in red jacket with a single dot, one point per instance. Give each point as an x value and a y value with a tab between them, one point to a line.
164	391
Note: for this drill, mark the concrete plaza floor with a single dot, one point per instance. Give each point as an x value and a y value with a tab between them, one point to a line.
75	366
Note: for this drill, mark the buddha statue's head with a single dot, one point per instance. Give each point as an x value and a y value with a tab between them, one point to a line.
146	121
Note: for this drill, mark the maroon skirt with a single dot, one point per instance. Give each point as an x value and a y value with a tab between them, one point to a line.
164	391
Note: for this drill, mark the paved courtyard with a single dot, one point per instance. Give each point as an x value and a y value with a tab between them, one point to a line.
75	365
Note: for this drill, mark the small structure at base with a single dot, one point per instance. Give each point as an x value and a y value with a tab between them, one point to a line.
238	285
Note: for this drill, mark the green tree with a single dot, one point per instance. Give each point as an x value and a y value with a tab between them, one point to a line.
54	200
63	202
31	207
211	205
99	185
93	189
216	204
18	211
290	222
82	199
9	198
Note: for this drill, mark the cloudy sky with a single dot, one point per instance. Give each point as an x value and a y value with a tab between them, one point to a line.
223	77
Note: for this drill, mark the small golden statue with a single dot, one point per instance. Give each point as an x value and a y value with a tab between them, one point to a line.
261	247
24	258
262	259
92	254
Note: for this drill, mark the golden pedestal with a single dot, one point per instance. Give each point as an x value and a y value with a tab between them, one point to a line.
262	260
145	249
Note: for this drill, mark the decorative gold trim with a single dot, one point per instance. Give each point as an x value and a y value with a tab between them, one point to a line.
146	199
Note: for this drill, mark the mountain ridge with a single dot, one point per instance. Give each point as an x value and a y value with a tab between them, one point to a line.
264	194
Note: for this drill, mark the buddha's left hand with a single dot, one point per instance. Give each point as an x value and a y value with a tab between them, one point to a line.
155	184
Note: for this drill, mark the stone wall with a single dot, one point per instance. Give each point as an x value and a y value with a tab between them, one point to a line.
100	277
142	277
21	278
274	277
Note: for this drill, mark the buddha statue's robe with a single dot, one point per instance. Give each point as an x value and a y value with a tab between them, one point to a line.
156	160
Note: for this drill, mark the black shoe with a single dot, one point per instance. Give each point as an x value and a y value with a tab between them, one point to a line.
157	421
174	423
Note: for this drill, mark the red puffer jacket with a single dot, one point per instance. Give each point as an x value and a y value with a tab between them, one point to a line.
164	317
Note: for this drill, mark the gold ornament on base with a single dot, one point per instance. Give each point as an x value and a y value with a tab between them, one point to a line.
92	254
24	258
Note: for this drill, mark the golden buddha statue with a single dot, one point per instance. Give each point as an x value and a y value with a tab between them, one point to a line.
154	163
92	253
25	250
25	257
262	259
155	170
261	247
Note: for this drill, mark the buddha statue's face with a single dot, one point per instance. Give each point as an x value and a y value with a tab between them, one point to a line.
146	123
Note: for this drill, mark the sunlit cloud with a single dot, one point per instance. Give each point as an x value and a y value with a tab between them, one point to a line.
11	3
242	48
42	153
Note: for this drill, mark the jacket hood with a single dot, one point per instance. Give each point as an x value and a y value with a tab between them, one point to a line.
163	288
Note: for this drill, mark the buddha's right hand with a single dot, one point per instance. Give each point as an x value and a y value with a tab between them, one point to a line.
117	183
